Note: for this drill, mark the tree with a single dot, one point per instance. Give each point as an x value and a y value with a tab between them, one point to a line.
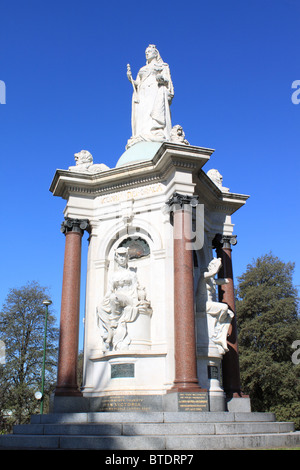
268	324
22	327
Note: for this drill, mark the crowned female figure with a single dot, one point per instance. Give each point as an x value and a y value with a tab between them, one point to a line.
152	96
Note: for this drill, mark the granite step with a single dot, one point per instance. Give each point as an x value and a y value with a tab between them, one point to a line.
152	431
180	442
151	417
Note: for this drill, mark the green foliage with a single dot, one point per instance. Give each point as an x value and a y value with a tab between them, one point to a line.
268	324
22	327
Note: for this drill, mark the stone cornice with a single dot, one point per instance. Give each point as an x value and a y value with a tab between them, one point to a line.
168	157
217	200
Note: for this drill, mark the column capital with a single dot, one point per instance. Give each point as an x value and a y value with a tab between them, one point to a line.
224	241
75	225
182	199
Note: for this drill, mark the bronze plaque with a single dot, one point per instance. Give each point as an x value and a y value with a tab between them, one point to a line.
122	370
192	401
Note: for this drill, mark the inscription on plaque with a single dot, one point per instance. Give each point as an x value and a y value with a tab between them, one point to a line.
213	372
122	370
129	403
192	401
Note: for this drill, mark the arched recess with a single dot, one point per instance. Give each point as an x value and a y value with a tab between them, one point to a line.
119	232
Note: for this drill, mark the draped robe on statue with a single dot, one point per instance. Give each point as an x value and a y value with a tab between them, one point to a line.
151	117
118	308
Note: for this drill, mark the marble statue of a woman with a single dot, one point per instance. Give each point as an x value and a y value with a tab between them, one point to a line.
218	312
123	302
152	95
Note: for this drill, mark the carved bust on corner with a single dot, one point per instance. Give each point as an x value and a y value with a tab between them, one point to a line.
124	300
219	314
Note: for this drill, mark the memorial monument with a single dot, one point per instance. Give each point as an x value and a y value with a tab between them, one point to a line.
161	365
160	329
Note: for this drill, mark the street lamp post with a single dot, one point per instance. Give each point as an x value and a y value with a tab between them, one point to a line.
46	303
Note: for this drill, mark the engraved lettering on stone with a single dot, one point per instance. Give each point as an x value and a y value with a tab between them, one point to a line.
132	194
192	401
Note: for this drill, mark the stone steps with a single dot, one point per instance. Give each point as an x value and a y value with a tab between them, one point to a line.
144	429
152	417
152	431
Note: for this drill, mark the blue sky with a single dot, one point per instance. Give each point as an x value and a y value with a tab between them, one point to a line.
64	62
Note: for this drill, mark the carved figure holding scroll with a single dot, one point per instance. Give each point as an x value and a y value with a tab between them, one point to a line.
219	312
122	303
152	96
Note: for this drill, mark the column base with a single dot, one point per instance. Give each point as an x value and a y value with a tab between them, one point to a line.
188	389
180	386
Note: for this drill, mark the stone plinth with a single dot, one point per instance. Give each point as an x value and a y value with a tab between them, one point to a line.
171	402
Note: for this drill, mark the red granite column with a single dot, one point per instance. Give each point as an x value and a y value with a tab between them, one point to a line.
69	317
184	315
230	363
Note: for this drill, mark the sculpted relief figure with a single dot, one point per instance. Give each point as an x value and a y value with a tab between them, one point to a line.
177	135
219	312
124	300
84	163
152	96
217	178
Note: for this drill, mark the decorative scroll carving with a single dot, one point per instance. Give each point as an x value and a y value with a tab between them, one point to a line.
224	241
182	199
137	247
74	225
